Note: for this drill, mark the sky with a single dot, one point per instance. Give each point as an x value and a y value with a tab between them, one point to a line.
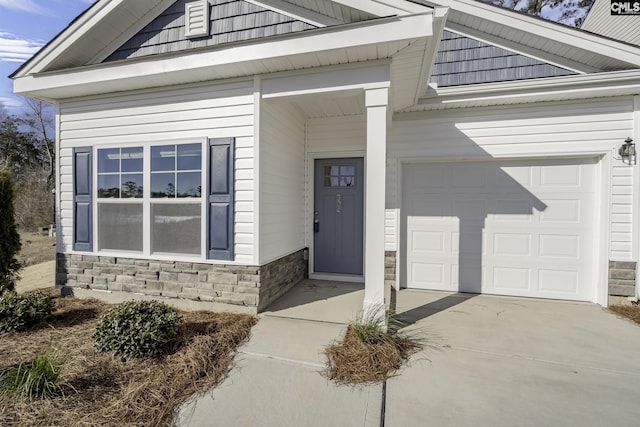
25	26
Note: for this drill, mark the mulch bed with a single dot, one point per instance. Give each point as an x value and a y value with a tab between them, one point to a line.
630	311
350	361
103	390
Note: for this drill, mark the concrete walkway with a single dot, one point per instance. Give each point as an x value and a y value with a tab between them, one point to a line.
487	361
278	381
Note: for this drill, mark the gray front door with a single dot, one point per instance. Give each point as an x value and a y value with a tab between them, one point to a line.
338	216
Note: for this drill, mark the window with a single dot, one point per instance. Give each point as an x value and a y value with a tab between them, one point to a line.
340	176
167	199
120	190
176	191
176	171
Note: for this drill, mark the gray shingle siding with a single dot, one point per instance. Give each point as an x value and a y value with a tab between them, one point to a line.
462	61
230	20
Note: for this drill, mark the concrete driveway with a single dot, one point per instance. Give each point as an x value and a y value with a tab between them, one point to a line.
487	361
497	361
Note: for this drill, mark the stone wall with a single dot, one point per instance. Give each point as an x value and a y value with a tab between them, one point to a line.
279	276
622	278
390	268
227	284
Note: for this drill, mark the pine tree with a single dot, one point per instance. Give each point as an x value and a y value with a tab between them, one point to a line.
9	238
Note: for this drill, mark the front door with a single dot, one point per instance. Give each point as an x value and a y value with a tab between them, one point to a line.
338	216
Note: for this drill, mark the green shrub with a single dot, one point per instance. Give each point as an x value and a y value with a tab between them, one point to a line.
9	238
37	379
18	312
371	330
137	329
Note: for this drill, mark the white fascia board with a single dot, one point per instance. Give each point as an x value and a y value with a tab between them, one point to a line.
297	12
385	7
550	30
132	74
327	80
429	58
577	86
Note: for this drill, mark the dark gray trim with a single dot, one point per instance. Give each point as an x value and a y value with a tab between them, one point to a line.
220	200
82	199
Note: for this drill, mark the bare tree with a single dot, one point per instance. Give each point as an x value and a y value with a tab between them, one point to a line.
40	118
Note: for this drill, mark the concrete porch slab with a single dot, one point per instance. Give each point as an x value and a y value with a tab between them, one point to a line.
320	300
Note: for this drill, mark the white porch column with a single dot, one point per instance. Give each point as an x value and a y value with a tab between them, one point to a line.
376	101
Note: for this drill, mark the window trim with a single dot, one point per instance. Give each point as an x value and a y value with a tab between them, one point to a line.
146	200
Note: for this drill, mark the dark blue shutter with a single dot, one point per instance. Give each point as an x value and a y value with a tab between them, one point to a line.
82	212
220	199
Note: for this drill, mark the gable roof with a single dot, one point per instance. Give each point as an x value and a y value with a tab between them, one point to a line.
229	20
547	40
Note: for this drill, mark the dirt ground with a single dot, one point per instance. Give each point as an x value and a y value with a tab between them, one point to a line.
36	249
38	256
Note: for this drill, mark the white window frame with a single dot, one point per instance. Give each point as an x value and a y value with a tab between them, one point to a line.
147	201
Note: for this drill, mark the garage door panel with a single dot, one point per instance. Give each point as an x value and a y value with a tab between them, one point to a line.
511	278
511	244
565	211
511	228
559	281
559	246
512	178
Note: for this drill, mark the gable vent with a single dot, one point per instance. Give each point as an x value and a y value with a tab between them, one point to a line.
197	18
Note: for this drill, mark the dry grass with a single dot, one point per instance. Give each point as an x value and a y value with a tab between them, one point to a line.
630	311
101	390
36	249
353	362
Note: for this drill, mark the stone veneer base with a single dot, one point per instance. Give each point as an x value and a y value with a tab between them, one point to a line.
622	279
215	285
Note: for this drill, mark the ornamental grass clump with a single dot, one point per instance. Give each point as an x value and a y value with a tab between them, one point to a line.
19	312
370	352
34	380
137	329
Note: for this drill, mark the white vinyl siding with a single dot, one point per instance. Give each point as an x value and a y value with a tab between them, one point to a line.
281	180
537	131
165	116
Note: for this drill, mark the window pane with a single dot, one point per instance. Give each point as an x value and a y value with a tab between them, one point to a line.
120	226
109	160
189	184
131	185
189	157
163	158
163	185
176	229
347	170
108	186
132	159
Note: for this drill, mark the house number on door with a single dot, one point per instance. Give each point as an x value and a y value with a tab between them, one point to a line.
338	203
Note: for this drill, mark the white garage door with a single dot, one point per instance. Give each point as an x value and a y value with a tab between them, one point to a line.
524	228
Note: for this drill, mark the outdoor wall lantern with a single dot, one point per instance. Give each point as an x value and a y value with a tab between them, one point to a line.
628	152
